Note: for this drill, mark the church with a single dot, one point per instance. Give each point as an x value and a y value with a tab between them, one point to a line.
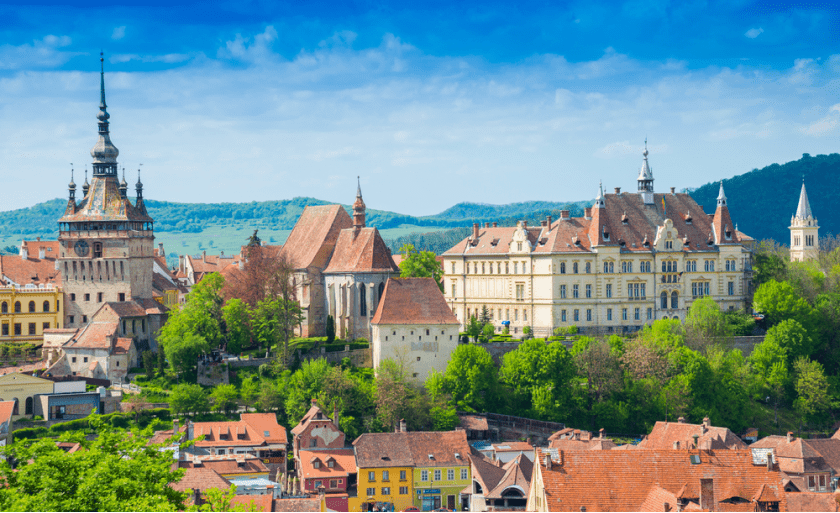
632	258
106	258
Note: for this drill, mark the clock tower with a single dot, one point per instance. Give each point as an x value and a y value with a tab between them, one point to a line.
106	243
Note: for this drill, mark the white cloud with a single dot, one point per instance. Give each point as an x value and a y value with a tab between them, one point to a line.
170	58
118	33
825	124
40	53
754	32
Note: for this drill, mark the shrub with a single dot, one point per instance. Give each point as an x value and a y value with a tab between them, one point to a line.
30	432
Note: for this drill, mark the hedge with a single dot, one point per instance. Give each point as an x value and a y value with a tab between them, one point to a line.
31	432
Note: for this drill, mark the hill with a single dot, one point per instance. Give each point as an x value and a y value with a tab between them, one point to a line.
762	201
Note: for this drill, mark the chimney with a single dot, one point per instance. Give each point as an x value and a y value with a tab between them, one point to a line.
196	497
564	214
707	422
587	213
204	255
487	225
403	426
542	223
618	190
790	436
547	461
601	433
707	494
38	239
672	190
175	427
695	440
181	263
222	254
475	231
666	507
703	428
42	253
24	253
524	224
314	402
335	416
677	445
770	461
495	224
160	249
549	219
190	430
681	420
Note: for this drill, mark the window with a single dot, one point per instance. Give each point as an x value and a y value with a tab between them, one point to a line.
403	490
636	315
71	318
562	267
731	288
483	269
520	291
32	330
437	474
316	464
623	314
588	267
649	313
72	297
122	294
371	492
464	474
85	359
589	314
362	300
589	291
516	314
706	288
516	268
669	244
46	326
97	250
333	483
371	476
609	314
675	300
519	246
453	267
73	359
386	475
562	292
402	475
98	297
575	291
609	290
562	315
17	329
450	474
691	266
87	297
710	265
5	331
525	315
577	315
46	306
424	475
386	490
575	267
663	300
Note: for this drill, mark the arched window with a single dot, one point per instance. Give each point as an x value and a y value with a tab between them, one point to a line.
381	290
17	306
588	267
663	300
4	308
575	267
674	299
31	306
362	300
15	407
28	407
46	306
562	267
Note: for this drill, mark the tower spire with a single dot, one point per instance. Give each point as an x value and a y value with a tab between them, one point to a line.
104	152
803	211
72	185
645	179
358	208
86	185
139	185
599	201
721	199
123	185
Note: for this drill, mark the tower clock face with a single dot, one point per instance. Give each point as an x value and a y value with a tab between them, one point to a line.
81	248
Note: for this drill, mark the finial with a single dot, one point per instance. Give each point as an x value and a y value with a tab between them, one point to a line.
138	176
646	150
86	175
358	187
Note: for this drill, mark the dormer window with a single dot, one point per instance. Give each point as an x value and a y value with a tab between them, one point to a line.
624	218
316	464
606	235
331	463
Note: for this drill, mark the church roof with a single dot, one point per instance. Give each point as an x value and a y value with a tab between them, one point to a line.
803	210
413	301
314	236
361	251
104	202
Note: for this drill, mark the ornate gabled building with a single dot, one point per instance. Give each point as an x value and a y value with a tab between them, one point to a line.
106	243
804	231
631	259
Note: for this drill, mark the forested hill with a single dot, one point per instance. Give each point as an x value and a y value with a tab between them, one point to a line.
762	201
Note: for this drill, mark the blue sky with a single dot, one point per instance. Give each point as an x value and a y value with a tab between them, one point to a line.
432	103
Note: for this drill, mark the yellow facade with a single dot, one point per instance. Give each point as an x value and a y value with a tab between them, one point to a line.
25	312
23	388
440	487
392	484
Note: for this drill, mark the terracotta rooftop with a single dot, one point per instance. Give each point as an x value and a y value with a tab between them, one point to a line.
626	480
253	429
94	335
31	271
794	456
473	422
314	236
229	466
360	252
413	301
412	449
517	475
6	409
812	501
664	434
308	417
202	479
829	449
344	463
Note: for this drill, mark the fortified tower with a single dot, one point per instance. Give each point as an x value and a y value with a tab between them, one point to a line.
106	243
804	236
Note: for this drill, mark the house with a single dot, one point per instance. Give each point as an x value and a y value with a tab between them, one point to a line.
316	431
196	481
505	452
475	425
384	464
194	269
229	466
498	486
441	468
575	439
801	462
69	400
332	469
655	480
630	259
254	434
413	322
681	435
22	390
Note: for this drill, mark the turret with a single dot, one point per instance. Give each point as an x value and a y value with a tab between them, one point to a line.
645	179
71	187
358	208
104	152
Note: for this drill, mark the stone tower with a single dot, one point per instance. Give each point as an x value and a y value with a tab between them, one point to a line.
804	236
106	243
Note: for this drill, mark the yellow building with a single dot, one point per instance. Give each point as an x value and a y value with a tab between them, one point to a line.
31	298
384	472
441	471
22	389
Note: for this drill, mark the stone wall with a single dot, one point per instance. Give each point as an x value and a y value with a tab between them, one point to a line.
359	357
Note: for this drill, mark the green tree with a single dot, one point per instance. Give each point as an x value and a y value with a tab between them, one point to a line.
474	329
813	399
791	336
117	471
484	319
250	390
471	378
149	364
188	399
768	266
183	352
161	361
488	331
236	315
779	302
330	329
202	313
534	370
269	398
224	398
705	324
420	264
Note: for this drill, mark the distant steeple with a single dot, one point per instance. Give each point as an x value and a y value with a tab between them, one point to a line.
721	199
123	185
599	201
72	185
804	230
645	179
86	185
358	208
803	211
139	185
104	152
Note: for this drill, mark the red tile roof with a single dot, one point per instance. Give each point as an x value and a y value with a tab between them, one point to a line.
517	475
15	269
230	465
202	479
314	236
473	422
812	501
664	434
625	480
344	461
256	428
94	335
309	416
794	457
413	301
6	409
361	251
412	448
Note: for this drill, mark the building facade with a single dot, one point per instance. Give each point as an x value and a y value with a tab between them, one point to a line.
804	231
632	258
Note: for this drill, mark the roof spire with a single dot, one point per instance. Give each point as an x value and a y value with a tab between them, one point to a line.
358	186
645	178
104	152
803	211
123	185
599	201
721	199
139	185
358	207
72	185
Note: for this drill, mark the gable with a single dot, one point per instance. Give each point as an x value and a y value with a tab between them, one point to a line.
17	378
